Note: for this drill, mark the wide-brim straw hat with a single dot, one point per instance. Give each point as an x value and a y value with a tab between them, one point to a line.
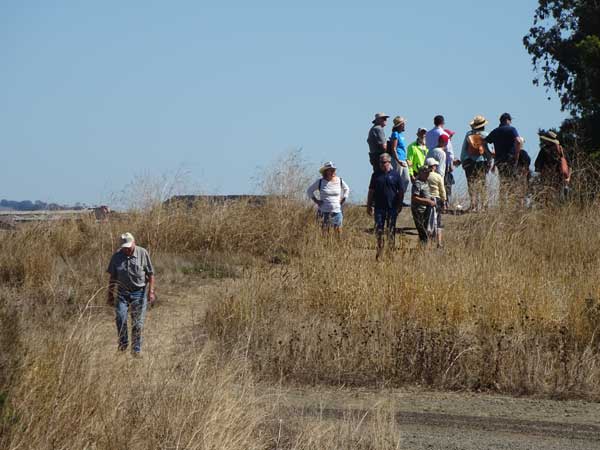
550	136
326	166
478	122
378	116
398	120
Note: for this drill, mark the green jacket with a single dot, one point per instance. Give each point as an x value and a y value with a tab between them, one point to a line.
416	155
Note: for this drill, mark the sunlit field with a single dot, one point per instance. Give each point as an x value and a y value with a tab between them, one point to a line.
510	305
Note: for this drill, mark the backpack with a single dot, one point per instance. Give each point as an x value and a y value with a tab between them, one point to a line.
563	165
341	186
476	145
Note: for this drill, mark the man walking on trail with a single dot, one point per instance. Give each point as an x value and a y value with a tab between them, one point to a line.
376	139
132	274
422	203
385	197
416	153
507	146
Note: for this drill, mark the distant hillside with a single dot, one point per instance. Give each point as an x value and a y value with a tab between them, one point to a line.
28	205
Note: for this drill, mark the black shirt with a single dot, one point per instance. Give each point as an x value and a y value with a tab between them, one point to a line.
387	187
503	139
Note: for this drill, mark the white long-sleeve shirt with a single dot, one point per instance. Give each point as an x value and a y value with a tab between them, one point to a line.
330	193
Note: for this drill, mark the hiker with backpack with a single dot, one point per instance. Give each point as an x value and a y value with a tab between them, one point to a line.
333	192
552	165
476	161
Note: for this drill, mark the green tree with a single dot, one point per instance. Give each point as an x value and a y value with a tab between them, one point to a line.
564	43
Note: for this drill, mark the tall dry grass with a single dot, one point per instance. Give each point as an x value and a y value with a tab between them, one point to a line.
71	397
61	386
71	393
510	305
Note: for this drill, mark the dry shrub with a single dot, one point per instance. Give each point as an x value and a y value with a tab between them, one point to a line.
509	305
242	227
288	176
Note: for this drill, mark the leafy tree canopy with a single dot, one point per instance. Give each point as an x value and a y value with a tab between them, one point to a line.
564	43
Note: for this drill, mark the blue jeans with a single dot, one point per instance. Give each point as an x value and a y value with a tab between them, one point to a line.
331	218
385	218
134	301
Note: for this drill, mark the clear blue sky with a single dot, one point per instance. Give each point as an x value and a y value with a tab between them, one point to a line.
95	93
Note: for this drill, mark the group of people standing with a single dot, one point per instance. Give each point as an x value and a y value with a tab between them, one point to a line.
428	164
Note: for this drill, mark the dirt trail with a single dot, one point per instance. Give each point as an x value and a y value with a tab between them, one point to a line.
461	420
428	420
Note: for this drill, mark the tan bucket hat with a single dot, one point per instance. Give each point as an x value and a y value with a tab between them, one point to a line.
378	116
478	122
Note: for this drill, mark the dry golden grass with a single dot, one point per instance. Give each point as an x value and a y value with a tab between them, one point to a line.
510	305
60	387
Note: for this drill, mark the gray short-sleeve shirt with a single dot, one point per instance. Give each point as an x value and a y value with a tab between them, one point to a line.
131	271
376	139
